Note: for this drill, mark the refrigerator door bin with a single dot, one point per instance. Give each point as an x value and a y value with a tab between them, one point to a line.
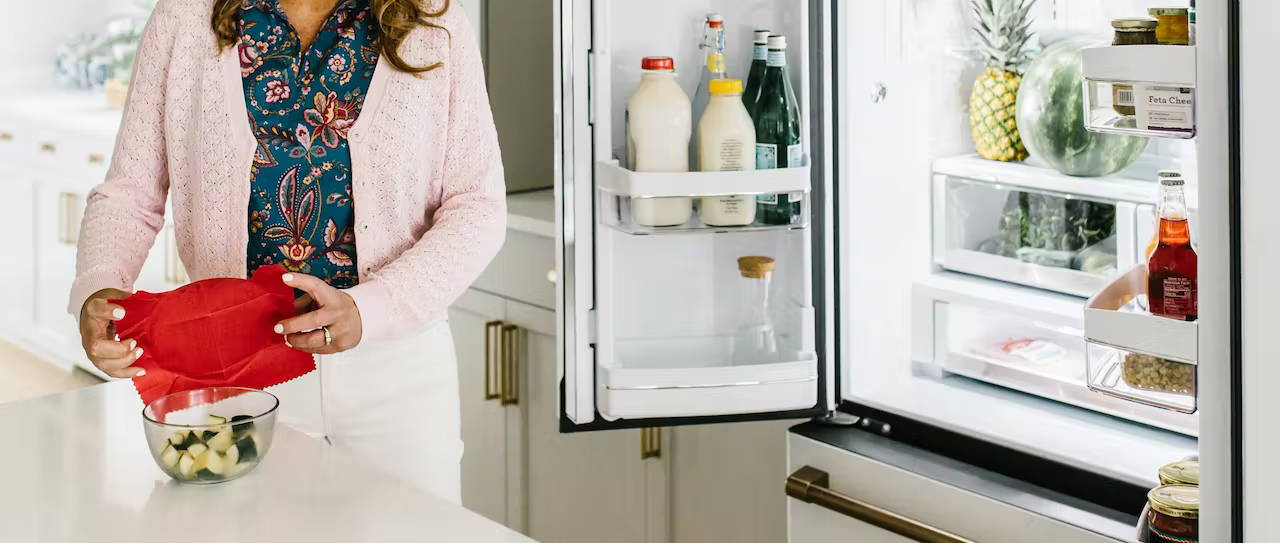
1136	355
696	376
1033	226
1019	338
658	202
1141	90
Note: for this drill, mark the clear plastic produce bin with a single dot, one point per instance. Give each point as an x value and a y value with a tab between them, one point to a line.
1141	90
657	203
1138	356
1014	223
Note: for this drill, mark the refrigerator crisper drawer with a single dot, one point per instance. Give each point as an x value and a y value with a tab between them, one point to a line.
1029	225
1024	339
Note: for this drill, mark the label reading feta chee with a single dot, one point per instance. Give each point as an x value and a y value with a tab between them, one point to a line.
1165	109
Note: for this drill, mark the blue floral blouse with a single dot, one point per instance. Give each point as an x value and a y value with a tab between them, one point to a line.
301	107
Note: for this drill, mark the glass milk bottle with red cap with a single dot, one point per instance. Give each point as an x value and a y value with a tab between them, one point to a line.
658	125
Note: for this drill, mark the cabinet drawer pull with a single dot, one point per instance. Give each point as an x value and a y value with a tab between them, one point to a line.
95	158
510	365
491	354
812	485
650	443
6	136
552	275
68	223
48	148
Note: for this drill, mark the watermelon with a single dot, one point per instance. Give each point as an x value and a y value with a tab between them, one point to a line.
1051	116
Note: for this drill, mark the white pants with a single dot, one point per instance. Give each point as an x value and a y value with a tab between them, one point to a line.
393	404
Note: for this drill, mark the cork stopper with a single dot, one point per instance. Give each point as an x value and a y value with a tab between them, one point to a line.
755	267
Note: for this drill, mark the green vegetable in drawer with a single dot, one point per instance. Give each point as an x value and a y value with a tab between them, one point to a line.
1049	230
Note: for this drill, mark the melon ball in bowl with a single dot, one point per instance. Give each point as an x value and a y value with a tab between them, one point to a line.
210	435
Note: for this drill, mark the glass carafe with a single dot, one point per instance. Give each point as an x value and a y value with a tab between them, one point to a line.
754	342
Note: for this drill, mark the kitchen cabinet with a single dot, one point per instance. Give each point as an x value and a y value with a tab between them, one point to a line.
488	486
58	209
17	271
721	471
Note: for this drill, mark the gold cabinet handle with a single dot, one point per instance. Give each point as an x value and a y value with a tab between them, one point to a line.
650	443
552	275
812	485
6	136
68	225
492	375
95	158
48	147
511	350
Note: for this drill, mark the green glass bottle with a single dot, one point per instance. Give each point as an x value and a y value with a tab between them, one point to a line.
759	54
777	120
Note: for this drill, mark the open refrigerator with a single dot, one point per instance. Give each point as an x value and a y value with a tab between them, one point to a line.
890	297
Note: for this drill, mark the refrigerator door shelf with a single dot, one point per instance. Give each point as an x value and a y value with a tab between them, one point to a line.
680	377
1117	316
1018	338
1157	83
1145	379
747	213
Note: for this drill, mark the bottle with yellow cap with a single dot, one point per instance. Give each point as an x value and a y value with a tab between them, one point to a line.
726	142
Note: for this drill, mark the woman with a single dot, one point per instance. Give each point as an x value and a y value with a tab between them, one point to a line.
350	141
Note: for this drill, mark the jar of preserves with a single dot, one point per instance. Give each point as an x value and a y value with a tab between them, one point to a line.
1182	472
1174	515
1172	25
1130	31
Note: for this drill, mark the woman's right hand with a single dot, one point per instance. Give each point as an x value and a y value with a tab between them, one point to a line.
111	354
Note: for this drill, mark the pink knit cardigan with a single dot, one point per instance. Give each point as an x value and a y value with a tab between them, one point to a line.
427	180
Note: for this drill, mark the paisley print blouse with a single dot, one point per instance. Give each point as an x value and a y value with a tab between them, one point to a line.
301	105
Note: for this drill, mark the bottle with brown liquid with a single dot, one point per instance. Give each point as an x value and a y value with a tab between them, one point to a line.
1171	272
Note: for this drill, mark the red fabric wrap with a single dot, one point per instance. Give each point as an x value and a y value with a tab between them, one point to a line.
215	332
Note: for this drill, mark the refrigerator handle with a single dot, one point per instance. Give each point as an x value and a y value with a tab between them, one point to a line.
812	485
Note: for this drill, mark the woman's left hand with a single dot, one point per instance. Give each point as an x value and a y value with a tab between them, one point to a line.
330	309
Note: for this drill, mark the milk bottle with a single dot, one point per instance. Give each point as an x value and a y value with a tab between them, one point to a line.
659	125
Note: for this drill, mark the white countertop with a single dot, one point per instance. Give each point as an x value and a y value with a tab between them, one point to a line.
76	469
533	212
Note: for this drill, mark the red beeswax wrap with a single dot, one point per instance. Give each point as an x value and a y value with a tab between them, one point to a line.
215	332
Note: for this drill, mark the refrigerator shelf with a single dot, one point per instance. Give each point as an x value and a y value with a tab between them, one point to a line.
1154	85
611	177
1138	356
696	376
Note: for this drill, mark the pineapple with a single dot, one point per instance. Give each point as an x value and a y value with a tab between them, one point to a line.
1003	29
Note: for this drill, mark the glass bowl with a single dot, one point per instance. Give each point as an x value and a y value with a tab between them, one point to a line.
210	435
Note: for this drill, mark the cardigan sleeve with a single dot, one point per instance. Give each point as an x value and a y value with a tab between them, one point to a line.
468	227
123	214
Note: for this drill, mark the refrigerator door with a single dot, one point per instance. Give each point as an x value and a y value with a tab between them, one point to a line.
653	319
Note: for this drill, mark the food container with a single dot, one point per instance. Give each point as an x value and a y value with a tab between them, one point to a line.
1147	372
1173	514
210	435
1131	31
1182	472
1173	25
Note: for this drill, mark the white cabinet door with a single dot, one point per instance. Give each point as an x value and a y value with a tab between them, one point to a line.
582	487
484	419
17	268
724	482
57	224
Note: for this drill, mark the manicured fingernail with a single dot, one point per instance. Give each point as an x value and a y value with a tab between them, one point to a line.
118	313
117	337
133	343
140	373
287	277
137	353
279	328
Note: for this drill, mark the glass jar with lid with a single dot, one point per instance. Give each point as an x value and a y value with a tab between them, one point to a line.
1172	26
1182	472
1174	515
755	342
1130	31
